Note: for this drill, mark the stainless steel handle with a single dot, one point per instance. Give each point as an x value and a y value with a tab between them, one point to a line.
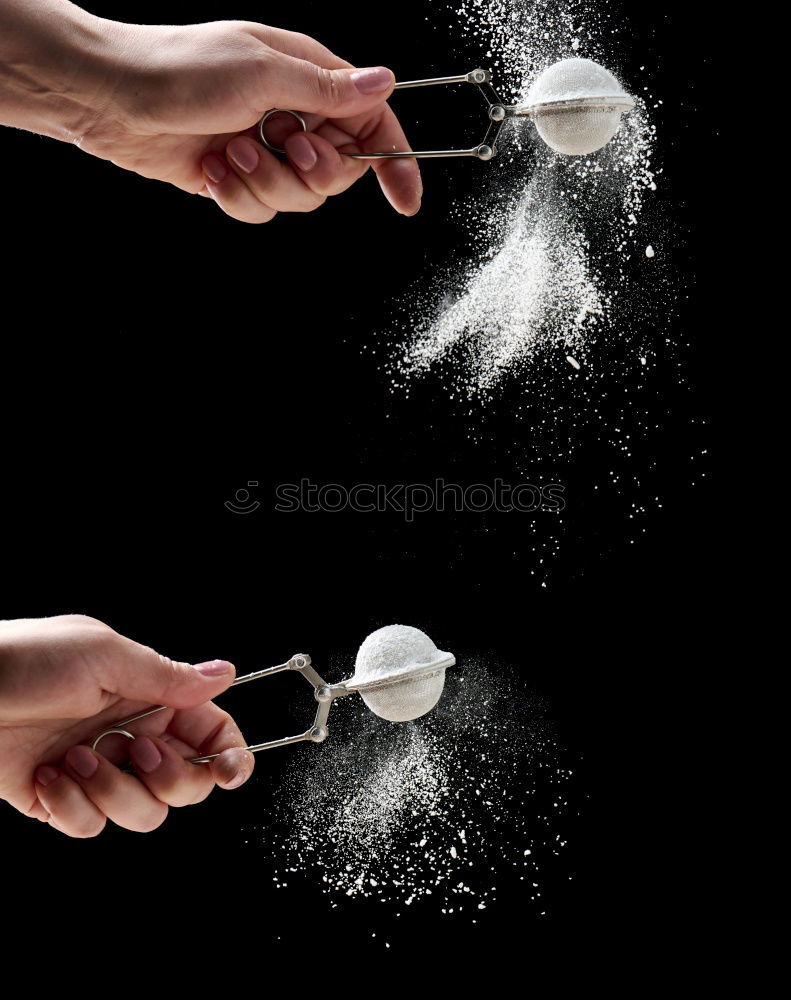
324	694
485	150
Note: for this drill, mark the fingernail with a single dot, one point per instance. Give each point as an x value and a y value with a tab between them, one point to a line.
302	152
83	760
145	754
46	775
214	167
237	779
372	80
243	153
214	668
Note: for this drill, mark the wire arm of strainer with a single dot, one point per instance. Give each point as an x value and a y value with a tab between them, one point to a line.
323	692
486	148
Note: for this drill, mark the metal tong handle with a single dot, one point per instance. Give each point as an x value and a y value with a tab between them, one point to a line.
324	693
485	149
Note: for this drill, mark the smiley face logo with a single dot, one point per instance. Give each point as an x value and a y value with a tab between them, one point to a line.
242	503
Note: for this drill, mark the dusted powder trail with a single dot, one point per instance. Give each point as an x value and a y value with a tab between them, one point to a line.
538	287
437	813
556	231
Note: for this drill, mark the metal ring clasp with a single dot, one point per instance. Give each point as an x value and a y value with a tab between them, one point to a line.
275	111
109	732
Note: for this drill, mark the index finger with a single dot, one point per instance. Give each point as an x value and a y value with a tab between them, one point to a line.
210	729
399	178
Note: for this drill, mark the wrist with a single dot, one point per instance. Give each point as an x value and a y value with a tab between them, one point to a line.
59	67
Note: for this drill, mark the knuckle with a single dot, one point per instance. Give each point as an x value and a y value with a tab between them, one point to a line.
80	830
202	794
325	82
172	671
316	202
86	620
266	66
150	821
92	830
165	662
166	669
261	217
224	726
194	795
176	798
261	32
253	217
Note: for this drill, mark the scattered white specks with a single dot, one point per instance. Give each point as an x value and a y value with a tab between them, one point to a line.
543	260
553	234
378	813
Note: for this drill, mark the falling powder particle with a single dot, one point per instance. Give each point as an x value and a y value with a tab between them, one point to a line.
375	814
649	251
573	362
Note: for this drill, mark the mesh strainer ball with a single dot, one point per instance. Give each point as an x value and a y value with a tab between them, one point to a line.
576	106
399	673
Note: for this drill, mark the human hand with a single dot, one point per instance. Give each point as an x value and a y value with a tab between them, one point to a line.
65	679
181	104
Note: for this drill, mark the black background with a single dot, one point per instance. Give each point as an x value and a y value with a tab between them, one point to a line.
158	356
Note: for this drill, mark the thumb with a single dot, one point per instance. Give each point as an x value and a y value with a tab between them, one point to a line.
142	674
300	85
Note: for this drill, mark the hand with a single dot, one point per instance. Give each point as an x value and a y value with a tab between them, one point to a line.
181	104
65	679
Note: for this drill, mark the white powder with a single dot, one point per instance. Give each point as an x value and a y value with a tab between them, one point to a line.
580	131
390	813
649	251
392	650
555	233
535	290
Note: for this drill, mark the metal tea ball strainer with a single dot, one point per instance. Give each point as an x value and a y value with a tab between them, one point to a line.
399	673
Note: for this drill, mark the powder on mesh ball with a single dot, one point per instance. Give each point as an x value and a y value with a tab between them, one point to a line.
390	651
